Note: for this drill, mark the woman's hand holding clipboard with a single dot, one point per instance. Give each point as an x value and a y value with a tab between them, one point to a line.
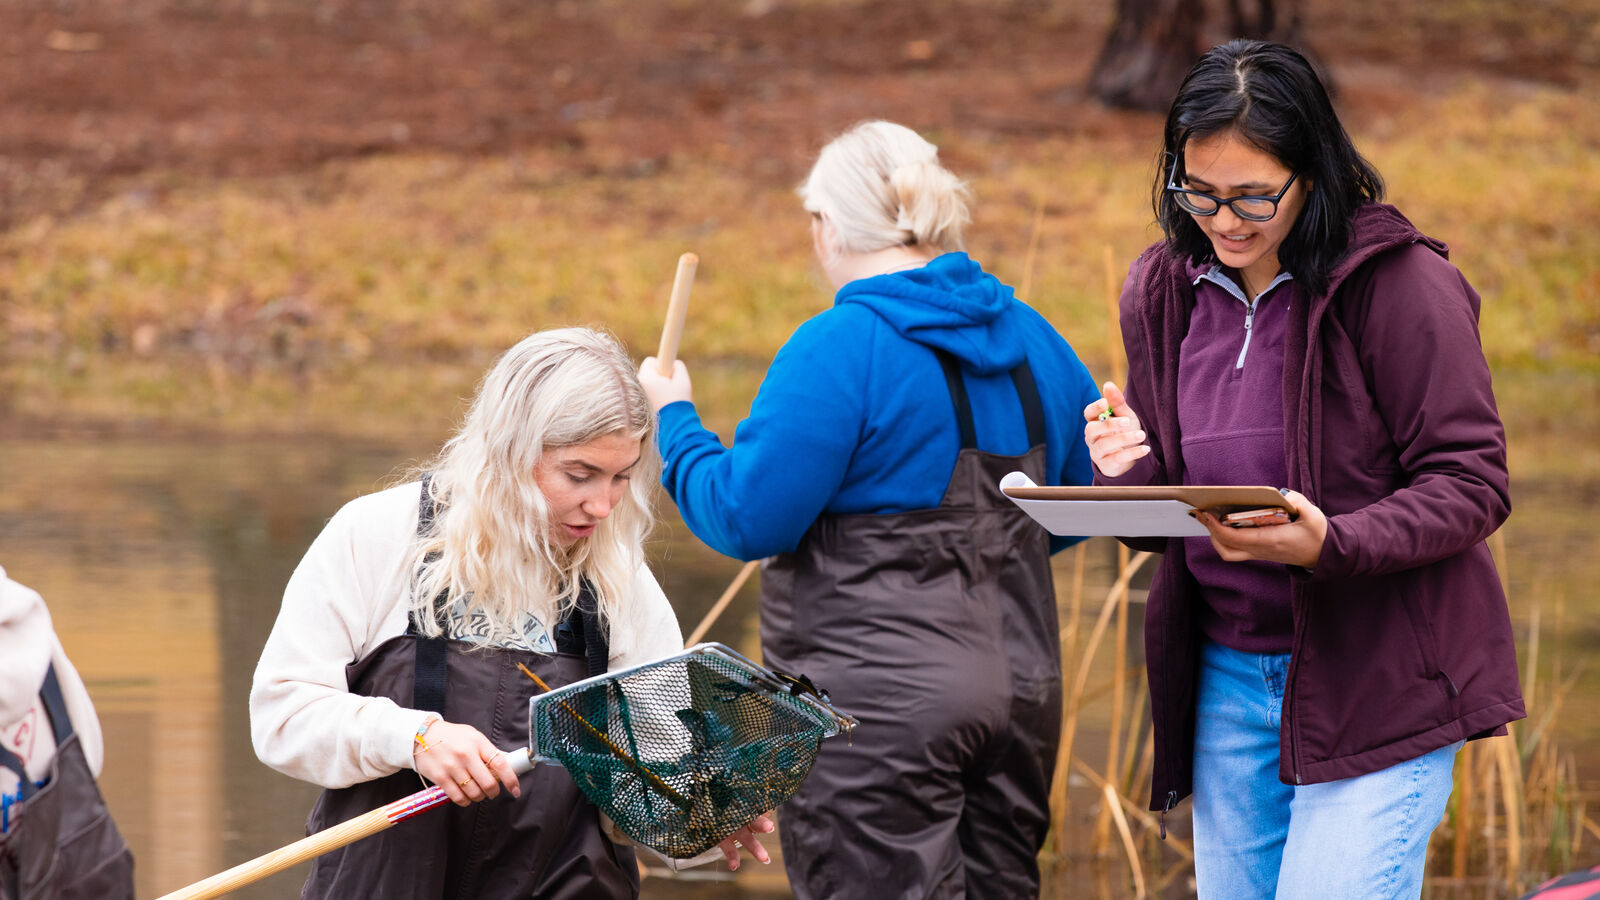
1296	542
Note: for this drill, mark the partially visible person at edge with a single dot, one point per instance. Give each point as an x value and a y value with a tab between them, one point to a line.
522	543
1310	682
57	839
901	580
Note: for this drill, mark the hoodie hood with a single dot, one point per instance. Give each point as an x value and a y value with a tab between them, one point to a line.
1374	228
950	304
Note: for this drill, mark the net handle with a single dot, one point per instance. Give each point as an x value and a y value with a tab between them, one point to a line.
332	838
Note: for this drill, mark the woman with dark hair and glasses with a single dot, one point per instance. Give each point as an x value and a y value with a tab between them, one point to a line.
1312	681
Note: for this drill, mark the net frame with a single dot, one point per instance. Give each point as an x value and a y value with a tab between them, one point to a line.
681	752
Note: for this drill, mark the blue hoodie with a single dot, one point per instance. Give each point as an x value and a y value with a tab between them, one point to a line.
854	416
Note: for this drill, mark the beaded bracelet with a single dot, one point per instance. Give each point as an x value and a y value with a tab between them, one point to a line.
422	729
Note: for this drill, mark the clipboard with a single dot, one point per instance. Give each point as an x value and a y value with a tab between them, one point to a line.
1158	511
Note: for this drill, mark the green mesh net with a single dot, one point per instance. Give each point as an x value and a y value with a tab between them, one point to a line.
682	752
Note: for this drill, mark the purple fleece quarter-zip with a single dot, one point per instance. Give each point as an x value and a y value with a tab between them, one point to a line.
1404	640
1230	412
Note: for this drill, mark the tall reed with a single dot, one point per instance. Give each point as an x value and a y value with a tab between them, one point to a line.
1516	816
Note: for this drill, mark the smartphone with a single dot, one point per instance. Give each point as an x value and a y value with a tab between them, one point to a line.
1254	518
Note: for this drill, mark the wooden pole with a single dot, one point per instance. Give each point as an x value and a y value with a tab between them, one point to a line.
666	355
313	846
722	603
677	311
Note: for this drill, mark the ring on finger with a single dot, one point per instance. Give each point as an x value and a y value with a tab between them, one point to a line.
464	782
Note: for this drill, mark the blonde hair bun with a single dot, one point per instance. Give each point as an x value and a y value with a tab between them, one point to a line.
881	185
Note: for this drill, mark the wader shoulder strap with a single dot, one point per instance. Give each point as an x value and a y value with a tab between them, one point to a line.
1027	395
958	397
428	677
1032	408
583	634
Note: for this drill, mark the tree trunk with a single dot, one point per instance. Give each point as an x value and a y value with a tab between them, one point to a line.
1265	20
1151	46
1280	21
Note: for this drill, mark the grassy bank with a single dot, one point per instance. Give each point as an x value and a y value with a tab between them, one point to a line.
372	286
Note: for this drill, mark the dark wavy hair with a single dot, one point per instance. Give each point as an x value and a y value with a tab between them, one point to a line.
1271	97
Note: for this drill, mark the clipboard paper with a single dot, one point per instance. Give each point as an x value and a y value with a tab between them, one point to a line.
1157	511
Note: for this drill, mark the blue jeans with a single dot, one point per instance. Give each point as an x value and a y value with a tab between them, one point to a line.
1256	837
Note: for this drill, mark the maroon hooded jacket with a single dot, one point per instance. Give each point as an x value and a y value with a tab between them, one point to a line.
1402	638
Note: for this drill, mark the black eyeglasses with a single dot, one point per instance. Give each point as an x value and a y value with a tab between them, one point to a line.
1253	208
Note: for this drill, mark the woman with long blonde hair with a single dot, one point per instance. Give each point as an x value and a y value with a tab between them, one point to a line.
397	646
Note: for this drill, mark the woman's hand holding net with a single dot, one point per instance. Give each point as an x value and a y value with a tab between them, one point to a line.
459	759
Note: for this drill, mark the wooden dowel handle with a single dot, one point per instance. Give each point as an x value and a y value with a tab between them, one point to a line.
313	846
722	603
282	858
677	311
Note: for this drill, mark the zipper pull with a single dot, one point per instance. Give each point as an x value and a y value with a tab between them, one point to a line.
1172	800
1249	319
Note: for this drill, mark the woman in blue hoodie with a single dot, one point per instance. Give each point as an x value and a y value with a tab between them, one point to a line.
897	575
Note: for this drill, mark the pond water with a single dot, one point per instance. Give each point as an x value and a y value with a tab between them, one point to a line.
163	558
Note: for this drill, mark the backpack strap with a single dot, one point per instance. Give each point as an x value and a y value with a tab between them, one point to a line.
55	704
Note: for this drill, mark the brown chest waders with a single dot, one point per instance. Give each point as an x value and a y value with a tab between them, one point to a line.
937	630
548	844
63	844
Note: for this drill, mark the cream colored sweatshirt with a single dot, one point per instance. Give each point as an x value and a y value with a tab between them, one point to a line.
28	645
350	594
